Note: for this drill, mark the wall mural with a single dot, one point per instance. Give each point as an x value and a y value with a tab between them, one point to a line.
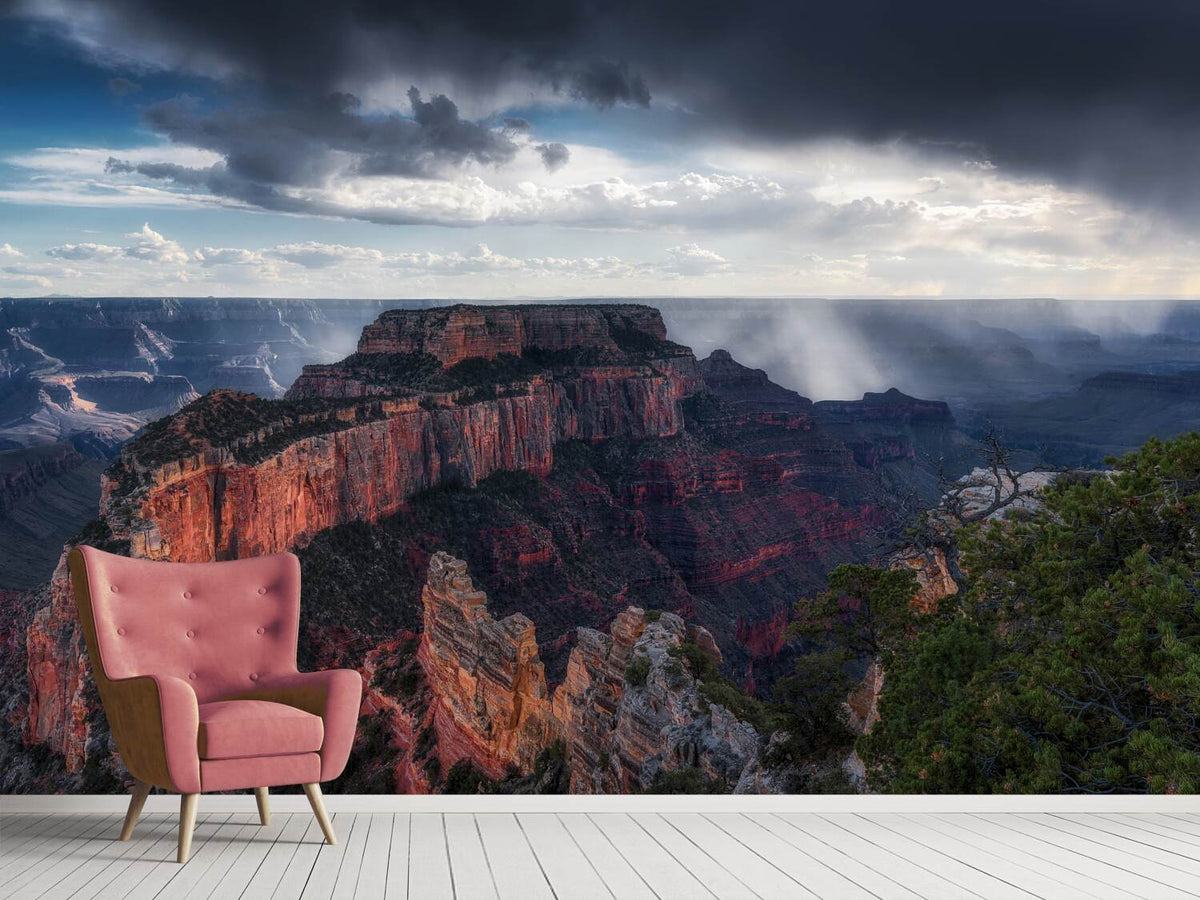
615	547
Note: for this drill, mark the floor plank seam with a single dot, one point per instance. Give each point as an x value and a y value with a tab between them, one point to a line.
961	839
536	858
759	855
619	853
836	850
689	839
962	862
1140	856
588	859
291	857
1057	861
902	859
1098	860
286	821
1127	838
487	858
387	869
808	855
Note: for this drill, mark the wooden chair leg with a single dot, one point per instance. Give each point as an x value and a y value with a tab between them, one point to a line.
187	821
318	807
264	810
137	800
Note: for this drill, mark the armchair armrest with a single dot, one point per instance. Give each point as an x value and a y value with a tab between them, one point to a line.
154	720
333	694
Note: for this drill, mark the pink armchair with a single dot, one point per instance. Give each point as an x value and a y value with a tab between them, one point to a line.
196	666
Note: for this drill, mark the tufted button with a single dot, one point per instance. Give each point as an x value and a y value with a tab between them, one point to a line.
262	590
262	630
113	588
120	631
187	595
254	676
191	633
192	675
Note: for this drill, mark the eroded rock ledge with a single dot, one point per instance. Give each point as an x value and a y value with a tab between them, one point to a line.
628	710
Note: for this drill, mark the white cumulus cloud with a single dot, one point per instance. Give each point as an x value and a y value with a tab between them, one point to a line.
227	256
692	259
151	246
80	252
315	255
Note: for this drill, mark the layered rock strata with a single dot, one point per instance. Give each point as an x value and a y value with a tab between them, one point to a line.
233	476
735	383
628	710
459	332
490	686
58	677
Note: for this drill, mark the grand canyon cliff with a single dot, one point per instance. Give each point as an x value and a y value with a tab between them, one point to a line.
585	467
234	476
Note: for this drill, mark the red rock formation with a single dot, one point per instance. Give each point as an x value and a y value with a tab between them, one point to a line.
491	704
232	475
584	350
58	674
752	535
934	581
743	386
271	476
404	723
588	704
221	503
764	637
452	334
622	734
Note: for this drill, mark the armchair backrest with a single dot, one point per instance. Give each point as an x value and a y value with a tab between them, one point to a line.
220	626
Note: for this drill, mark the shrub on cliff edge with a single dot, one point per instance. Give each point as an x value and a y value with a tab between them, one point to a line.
1071	661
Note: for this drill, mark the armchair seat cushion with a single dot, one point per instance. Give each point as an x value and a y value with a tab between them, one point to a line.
233	729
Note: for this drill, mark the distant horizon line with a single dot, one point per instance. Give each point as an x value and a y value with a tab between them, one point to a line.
887	298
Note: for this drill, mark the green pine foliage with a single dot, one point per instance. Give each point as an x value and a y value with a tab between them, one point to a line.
637	670
862	614
1070	661
687	781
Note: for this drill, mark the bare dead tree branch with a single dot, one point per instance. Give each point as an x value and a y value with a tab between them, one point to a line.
994	485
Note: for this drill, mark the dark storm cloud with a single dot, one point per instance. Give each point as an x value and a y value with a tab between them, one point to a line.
606	84
1101	93
301	143
554	156
297	142
162	171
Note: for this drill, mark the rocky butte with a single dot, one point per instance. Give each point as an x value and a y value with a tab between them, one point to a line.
233	475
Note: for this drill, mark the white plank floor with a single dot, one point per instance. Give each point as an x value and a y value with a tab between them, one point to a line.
561	856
